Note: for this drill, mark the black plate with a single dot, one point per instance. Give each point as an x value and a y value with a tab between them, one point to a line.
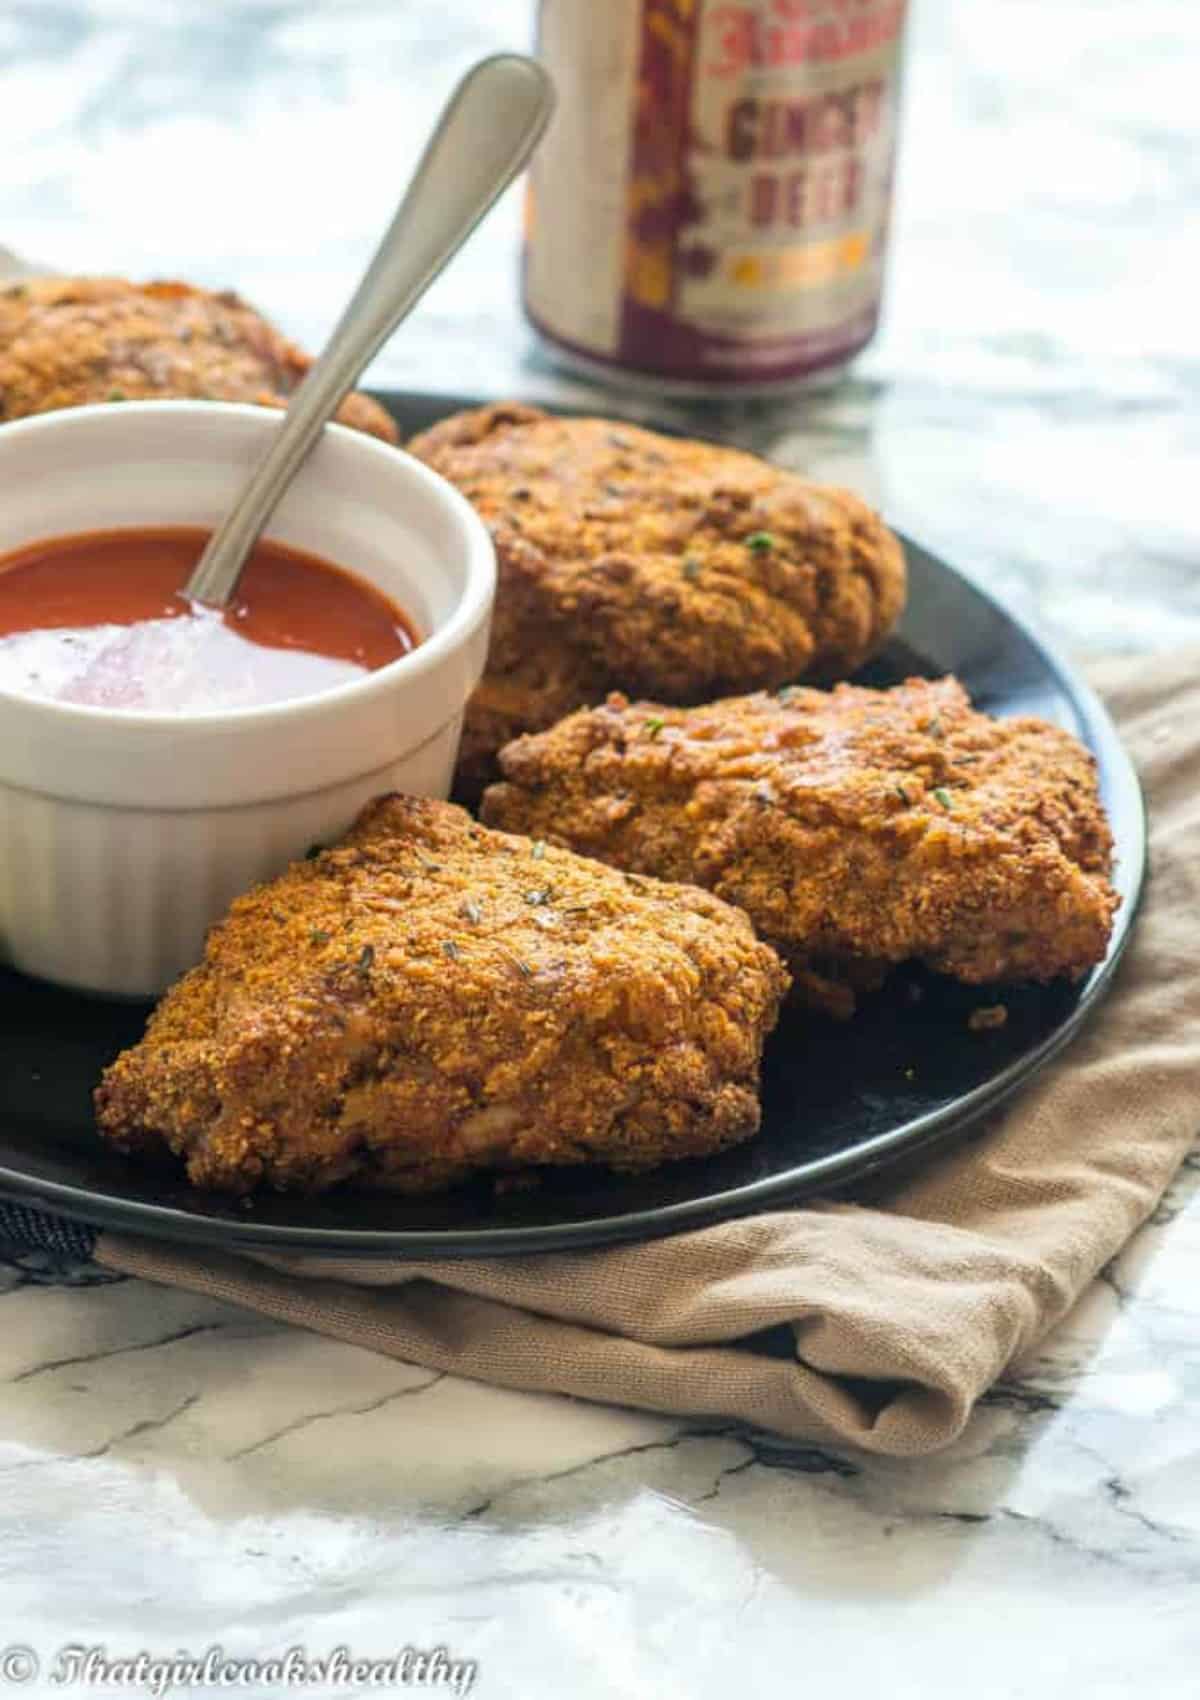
840	1100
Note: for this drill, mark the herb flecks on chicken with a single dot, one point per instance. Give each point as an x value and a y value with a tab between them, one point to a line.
429	999
857	828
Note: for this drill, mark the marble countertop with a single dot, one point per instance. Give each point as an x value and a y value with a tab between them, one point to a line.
177	1474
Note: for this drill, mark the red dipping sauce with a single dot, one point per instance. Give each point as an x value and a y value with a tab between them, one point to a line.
100	619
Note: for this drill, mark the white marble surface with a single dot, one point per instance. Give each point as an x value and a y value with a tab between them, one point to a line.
177	1474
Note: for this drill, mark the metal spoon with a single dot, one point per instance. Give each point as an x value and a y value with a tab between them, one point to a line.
489	128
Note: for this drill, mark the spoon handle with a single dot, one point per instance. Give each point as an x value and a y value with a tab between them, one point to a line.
489	128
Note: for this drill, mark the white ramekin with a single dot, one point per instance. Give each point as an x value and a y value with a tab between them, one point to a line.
124	835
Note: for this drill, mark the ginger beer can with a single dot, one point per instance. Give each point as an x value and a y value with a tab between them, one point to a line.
708	213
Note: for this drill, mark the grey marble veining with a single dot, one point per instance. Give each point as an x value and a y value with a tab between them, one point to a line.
175	1473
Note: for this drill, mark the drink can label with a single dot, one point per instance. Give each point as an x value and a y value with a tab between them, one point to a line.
711	200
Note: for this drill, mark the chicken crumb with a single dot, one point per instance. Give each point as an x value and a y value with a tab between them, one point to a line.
988	1016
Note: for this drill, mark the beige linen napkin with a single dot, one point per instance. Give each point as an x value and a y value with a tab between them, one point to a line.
902	1310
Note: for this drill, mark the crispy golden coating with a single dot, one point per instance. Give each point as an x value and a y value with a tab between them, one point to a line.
534	677
656	565
857	828
67	341
429	998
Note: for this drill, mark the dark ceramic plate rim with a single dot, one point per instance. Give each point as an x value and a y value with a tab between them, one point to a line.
821	1174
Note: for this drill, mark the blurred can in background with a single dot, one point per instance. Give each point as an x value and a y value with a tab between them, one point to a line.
708	214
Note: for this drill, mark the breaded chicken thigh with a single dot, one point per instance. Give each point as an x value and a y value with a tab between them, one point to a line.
655	565
429	998
857	828
67	341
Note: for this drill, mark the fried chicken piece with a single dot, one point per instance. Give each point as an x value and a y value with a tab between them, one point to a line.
857	828
675	569
534	677
66	341
429	998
